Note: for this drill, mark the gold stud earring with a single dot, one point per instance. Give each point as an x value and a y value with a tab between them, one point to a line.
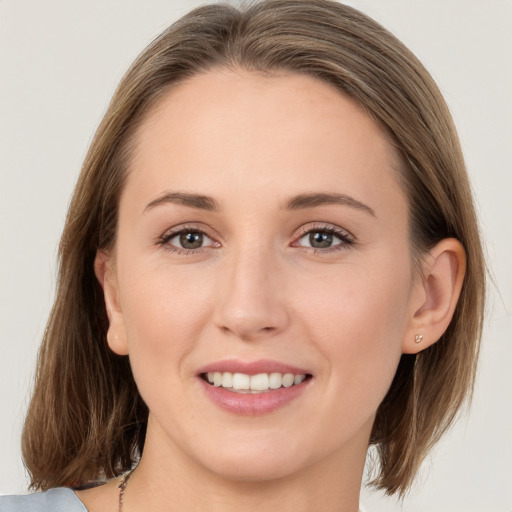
419	338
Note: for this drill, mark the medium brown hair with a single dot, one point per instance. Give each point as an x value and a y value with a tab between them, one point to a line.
86	420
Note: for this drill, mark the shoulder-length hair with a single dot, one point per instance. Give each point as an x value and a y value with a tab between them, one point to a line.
86	420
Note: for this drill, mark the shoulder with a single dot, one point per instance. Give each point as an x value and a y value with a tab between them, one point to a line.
60	499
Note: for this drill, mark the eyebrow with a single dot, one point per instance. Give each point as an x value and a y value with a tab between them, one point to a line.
198	201
299	202
303	201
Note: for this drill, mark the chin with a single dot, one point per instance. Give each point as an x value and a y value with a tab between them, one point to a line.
252	456
259	467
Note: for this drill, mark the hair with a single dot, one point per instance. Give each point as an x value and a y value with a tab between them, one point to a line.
86	420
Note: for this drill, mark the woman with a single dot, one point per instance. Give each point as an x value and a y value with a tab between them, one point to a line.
271	262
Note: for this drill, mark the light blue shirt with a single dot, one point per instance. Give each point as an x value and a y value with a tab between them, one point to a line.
59	499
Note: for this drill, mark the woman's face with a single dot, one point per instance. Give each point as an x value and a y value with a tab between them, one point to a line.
261	231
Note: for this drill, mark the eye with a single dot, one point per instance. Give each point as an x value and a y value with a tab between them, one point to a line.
186	240
189	239
325	238
319	239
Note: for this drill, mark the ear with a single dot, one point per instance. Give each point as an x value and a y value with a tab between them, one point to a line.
435	295
105	273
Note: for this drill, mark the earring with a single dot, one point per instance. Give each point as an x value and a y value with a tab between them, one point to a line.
419	338
111	336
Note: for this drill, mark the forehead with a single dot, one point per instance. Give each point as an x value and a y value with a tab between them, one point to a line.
286	133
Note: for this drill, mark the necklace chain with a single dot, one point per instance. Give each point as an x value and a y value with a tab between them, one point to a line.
122	488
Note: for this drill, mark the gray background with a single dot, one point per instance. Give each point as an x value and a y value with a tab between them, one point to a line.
59	64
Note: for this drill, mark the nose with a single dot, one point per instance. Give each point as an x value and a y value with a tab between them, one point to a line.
251	302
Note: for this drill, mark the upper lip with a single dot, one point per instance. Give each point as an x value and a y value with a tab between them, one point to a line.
252	367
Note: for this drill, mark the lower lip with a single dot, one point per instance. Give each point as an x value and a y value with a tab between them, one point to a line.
248	404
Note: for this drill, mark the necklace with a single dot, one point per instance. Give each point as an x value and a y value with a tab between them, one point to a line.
122	488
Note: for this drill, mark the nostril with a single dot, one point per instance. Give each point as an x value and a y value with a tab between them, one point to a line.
247	330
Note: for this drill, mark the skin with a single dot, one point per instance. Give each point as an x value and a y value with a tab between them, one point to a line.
256	289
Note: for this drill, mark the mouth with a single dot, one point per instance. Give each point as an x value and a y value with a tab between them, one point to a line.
253	384
253	388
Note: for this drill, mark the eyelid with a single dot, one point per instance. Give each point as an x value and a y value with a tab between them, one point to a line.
169	234
346	238
323	226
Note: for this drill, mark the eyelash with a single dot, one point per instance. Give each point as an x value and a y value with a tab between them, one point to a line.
169	235
346	239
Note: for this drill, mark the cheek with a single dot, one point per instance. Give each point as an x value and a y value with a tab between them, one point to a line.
165	310
358	321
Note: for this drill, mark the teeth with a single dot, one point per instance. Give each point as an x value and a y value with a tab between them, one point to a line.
241	382
288	379
227	380
259	382
275	380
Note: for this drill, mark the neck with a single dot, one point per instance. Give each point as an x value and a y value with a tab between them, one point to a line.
167	479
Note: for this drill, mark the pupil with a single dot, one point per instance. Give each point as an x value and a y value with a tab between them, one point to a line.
191	240
320	239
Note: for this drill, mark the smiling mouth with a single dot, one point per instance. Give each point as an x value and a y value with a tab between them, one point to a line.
253	384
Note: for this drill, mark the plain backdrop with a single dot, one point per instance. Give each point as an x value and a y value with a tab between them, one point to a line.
59	64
